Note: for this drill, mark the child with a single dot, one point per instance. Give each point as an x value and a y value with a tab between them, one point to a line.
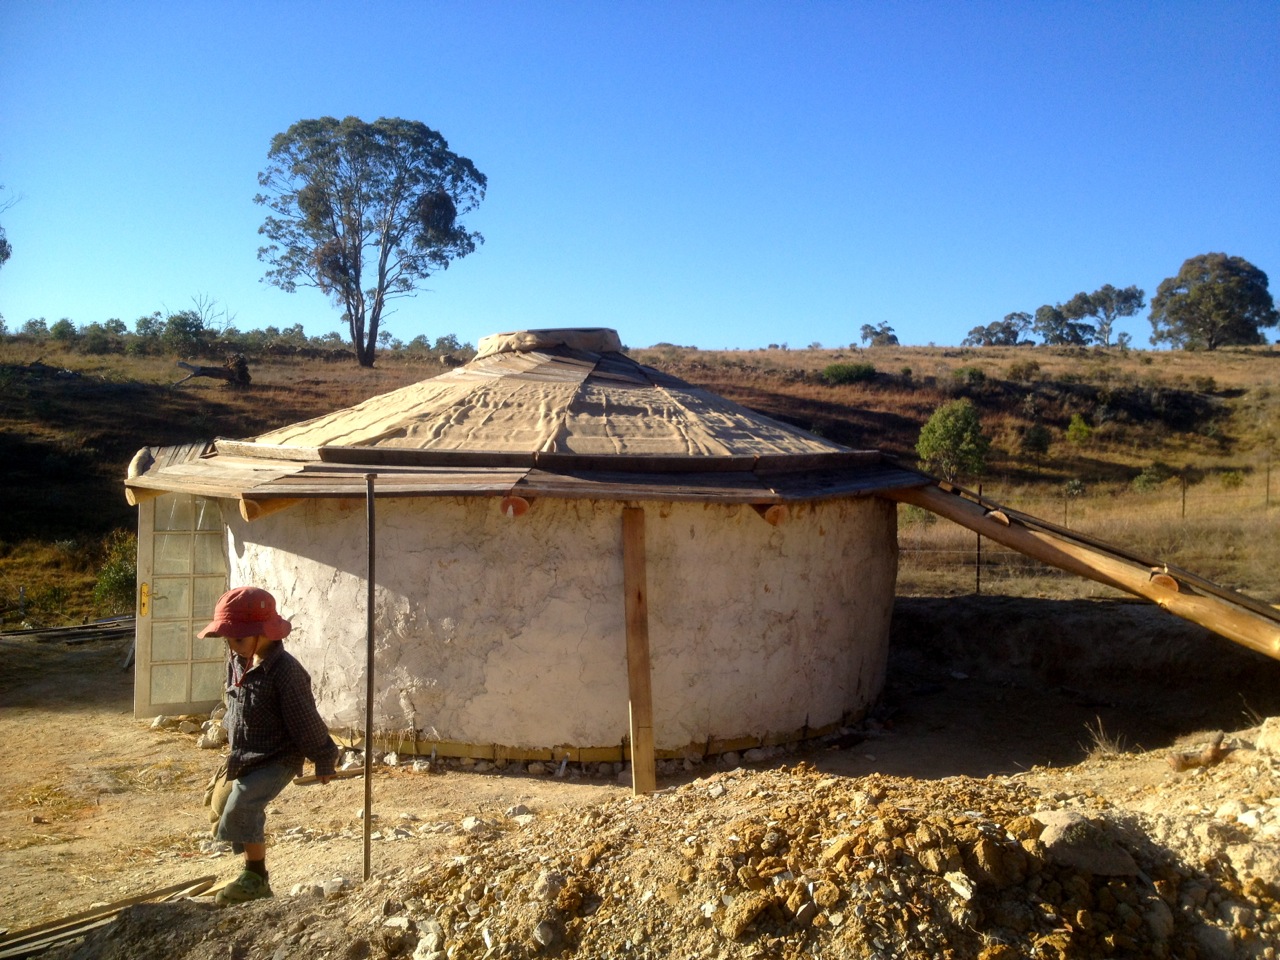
272	723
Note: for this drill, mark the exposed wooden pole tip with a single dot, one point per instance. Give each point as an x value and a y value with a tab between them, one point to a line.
772	513
136	495
1166	581
513	506
257	509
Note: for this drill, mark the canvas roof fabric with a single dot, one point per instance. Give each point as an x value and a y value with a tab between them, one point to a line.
554	391
562	411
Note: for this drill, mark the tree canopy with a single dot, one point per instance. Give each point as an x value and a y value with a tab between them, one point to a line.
1104	306
881	335
952	442
6	248
365	212
1215	300
1000	333
1055	328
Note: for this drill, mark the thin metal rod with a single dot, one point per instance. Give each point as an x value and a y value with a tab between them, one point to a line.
977	558
368	679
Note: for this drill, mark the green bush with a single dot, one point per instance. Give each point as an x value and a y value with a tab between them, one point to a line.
1232	480
1152	477
849	373
1078	430
952	443
115	590
1035	440
970	376
1024	370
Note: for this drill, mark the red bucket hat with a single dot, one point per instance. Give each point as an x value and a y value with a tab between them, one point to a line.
247	612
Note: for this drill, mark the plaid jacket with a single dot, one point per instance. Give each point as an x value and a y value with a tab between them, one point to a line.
272	717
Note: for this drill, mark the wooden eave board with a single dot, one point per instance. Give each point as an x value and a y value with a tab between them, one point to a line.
213	476
421	483
741	487
820	485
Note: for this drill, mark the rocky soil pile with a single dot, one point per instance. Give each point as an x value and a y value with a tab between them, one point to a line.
1104	859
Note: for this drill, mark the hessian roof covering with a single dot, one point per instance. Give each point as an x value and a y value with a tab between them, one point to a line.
536	413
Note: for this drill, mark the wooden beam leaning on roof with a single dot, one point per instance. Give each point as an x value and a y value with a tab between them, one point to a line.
1234	616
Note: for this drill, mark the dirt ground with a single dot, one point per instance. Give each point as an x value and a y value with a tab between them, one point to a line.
914	833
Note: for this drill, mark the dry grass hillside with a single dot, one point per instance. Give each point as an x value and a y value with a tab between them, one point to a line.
1176	460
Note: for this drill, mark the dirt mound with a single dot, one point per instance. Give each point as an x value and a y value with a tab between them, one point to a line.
783	863
999	802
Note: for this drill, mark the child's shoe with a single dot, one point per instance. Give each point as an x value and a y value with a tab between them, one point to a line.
248	886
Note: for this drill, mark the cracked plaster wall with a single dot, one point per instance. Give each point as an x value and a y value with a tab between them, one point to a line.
492	630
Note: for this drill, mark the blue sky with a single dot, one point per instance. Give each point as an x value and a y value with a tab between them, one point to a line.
708	173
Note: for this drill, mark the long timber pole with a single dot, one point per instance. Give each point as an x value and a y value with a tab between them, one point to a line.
1242	619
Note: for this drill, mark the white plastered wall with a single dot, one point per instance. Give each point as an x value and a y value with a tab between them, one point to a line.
511	631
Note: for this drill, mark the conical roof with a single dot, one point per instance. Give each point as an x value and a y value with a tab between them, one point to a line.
552	412
554	392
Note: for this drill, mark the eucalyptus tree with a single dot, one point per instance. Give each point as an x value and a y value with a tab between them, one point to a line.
1214	300
1104	306
1055	328
364	212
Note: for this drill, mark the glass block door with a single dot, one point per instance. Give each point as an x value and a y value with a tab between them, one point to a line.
182	570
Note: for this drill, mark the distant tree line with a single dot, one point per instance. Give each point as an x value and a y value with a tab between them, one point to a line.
1214	300
207	331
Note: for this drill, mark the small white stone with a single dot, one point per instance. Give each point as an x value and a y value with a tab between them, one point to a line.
519	810
716	791
544	933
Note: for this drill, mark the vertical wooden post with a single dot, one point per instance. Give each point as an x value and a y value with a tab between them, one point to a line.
368	674
639	677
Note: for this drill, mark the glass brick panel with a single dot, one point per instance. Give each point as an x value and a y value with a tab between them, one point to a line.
208	553
208	648
208	514
169	683
170	640
171	599
175	512
206	681
207	592
173	553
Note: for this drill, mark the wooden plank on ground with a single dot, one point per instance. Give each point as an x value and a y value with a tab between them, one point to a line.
639	674
20	943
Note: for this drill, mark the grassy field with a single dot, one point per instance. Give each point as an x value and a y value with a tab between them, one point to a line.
1176	464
